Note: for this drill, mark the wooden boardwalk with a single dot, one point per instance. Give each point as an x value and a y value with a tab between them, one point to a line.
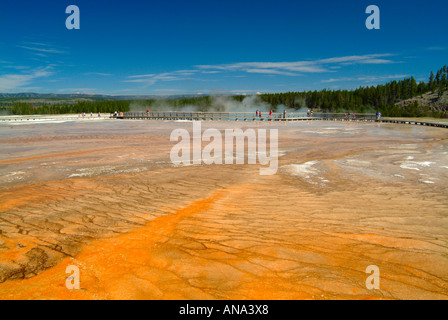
250	116
235	116
240	116
441	123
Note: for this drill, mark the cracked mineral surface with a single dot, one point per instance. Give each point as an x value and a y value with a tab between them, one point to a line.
105	197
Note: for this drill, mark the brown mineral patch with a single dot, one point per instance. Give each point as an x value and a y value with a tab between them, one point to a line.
65	154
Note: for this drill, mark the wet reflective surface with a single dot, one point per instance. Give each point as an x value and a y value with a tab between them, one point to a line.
104	195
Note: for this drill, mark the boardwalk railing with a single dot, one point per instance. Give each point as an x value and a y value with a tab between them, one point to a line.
242	116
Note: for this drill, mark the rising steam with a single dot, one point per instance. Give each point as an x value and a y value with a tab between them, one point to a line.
217	104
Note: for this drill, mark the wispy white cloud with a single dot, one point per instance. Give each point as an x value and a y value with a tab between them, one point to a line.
152	78
270	71
44	50
365	78
97	74
142	76
38	43
269	67
241	69
296	68
16	82
377	61
368	58
436	48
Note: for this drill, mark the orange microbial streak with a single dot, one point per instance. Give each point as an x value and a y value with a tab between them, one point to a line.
129	266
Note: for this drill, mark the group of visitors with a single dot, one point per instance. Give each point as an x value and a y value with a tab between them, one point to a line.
91	114
349	115
258	114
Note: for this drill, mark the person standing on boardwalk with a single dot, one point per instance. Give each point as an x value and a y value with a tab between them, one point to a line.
270	114
256	113
284	114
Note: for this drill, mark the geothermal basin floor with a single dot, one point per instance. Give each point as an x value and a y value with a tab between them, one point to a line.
105	197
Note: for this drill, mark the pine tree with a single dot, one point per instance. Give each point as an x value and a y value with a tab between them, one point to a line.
431	82
443	83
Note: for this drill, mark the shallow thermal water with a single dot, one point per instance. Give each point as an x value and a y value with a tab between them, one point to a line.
104	196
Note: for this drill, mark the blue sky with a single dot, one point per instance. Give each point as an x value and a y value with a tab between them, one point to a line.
240	47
